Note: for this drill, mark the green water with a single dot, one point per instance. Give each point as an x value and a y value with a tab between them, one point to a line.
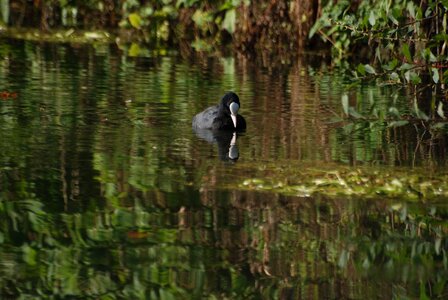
106	192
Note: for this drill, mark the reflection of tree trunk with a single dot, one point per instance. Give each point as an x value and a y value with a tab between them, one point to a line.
22	13
63	171
310	131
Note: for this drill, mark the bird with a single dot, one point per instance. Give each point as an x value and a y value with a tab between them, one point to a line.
223	116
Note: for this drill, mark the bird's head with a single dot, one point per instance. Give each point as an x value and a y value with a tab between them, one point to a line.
231	104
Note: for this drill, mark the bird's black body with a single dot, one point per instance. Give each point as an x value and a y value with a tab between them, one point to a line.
218	117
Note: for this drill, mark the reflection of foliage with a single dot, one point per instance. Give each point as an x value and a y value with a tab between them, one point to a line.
283	244
105	194
405	242
24	215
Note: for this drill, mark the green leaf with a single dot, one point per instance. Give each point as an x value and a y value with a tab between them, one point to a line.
372	18
227	6
441	37
393	19
369	69
415	79
438	126
406	52
378	54
229	21
423	295
361	69
135	20
317	26
391	65
398	123
405	67
411	9
435	75
445	3
428	55
440	110
201	45
343	258
348	129
394	76
394	111
29	255
149	11
397	13
437	244
134	50
412	77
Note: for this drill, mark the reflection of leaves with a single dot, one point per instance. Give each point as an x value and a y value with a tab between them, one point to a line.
29	255
23	212
343	258
344	100
348	110
354	113
394	111
419	113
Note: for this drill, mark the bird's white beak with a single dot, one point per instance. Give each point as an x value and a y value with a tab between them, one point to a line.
234	111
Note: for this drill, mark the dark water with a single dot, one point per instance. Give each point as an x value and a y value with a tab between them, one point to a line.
106	192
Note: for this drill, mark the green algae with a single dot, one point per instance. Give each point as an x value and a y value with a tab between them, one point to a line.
337	181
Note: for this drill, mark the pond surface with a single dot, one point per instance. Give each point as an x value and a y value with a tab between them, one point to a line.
107	192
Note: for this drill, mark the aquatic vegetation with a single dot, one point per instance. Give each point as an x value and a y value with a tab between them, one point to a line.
303	180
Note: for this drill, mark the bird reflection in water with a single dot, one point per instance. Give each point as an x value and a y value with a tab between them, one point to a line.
226	141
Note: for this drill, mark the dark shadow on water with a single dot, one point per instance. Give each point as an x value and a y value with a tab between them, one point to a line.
226	141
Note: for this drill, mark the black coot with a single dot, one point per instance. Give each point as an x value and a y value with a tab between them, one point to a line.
223	116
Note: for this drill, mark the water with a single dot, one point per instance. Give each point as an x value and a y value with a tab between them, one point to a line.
106	191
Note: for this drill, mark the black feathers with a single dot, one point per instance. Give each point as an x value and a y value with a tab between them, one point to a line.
218	117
